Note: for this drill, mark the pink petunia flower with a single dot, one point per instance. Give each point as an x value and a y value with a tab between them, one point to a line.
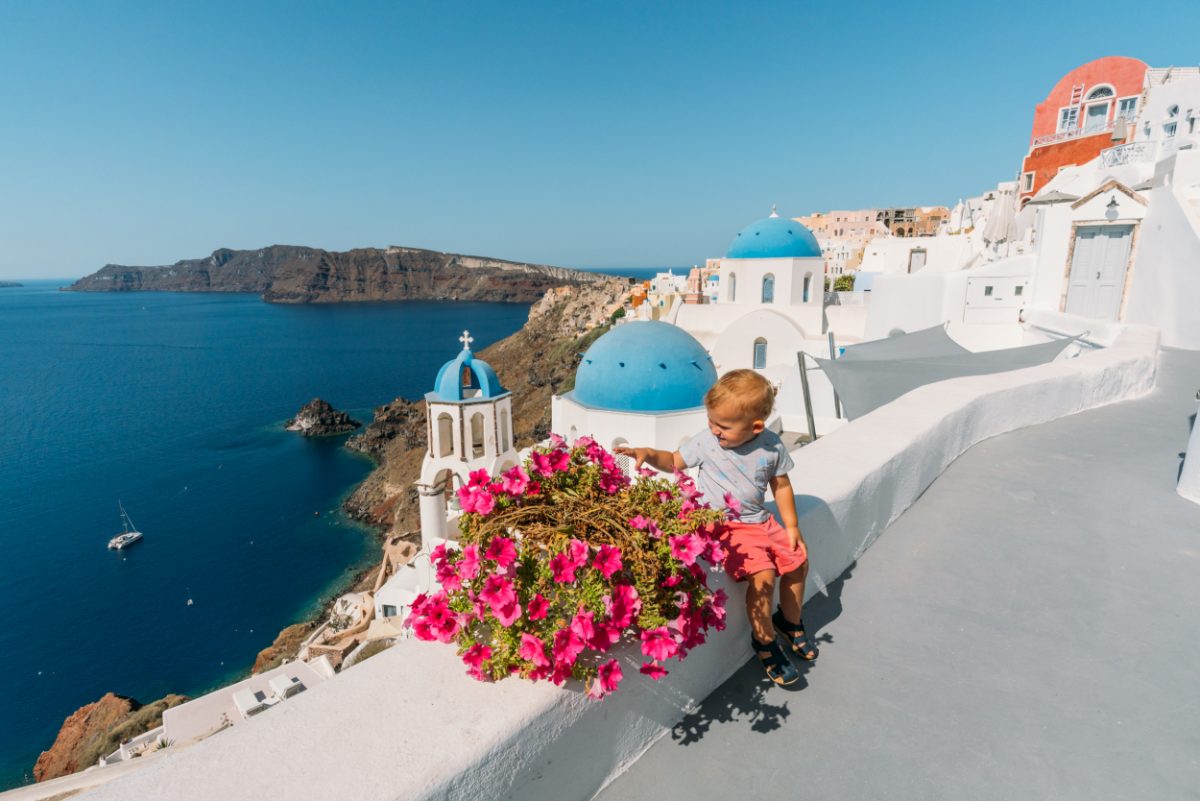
623	605
498	592
507	614
474	658
608	560
515	481
578	552
733	506
584	442
671	581
541	463
583	626
502	551
562	569
468	566
608	676
560	461
534	650
646	471
567	647
557	442
641	523
447	576
686	547
606	637
478	478
659	644
653	670
538	607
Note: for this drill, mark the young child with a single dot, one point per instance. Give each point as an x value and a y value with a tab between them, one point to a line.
737	460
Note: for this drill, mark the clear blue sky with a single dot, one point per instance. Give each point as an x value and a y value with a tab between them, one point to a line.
578	134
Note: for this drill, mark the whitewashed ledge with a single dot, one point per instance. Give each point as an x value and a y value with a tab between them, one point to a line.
408	724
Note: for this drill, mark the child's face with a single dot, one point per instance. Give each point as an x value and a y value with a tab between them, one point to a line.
731	426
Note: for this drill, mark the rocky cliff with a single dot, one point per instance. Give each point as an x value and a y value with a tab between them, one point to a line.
290	274
98	729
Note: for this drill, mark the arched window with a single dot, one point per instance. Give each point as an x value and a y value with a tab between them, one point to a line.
732	287
1101	92
768	288
504	429
760	353
807	286
477	435
445	434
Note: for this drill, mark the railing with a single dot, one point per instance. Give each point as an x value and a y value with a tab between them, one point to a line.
1074	133
1129	153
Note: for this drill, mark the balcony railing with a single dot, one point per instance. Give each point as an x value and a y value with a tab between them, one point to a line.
1130	153
1074	133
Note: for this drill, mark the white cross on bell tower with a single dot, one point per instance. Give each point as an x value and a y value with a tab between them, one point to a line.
466	339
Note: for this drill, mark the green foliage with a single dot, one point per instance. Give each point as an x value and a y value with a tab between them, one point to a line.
844	283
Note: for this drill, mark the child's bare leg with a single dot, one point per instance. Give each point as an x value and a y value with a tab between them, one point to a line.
760	589
791	593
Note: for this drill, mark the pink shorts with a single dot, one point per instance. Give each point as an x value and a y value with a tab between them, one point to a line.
755	547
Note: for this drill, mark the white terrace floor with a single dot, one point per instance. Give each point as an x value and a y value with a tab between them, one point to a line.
1029	629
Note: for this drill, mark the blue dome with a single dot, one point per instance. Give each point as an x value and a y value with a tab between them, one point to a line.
644	366
466	378
774	238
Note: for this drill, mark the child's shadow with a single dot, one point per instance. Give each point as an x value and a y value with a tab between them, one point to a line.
743	697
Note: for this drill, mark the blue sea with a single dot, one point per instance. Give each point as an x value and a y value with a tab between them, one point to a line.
174	404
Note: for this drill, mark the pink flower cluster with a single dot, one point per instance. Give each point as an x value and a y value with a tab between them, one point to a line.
556	614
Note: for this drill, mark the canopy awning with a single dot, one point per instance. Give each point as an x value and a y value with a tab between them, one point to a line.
874	373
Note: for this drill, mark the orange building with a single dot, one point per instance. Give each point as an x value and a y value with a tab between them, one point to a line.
1089	109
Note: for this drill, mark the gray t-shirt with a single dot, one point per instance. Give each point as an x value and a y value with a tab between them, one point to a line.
743	472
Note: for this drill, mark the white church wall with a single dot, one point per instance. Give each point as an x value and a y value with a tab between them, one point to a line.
535	741
911	302
734	347
1165	280
892	255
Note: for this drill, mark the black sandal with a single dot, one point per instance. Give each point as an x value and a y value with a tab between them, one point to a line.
802	644
779	668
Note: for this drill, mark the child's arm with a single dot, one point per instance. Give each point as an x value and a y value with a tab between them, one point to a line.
781	488
666	461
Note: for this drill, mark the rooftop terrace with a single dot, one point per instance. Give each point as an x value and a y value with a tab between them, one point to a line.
1027	629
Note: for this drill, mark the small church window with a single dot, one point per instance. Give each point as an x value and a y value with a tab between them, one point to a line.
477	435
760	353
987	291
768	288
732	287
445	434
807	286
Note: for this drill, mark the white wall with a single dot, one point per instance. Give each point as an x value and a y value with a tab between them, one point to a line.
890	255
1165	287
912	302
466	740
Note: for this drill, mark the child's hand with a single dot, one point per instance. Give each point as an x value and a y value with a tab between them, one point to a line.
639	454
795	538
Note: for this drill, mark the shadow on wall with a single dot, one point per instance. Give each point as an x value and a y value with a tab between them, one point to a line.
743	697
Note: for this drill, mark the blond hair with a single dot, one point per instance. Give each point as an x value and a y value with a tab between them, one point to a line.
752	394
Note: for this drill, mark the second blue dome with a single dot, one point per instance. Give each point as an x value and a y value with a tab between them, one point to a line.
774	238
644	366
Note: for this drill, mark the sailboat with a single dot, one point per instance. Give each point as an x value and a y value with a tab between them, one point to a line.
127	537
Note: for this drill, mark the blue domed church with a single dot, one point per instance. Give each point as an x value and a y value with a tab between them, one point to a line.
642	383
